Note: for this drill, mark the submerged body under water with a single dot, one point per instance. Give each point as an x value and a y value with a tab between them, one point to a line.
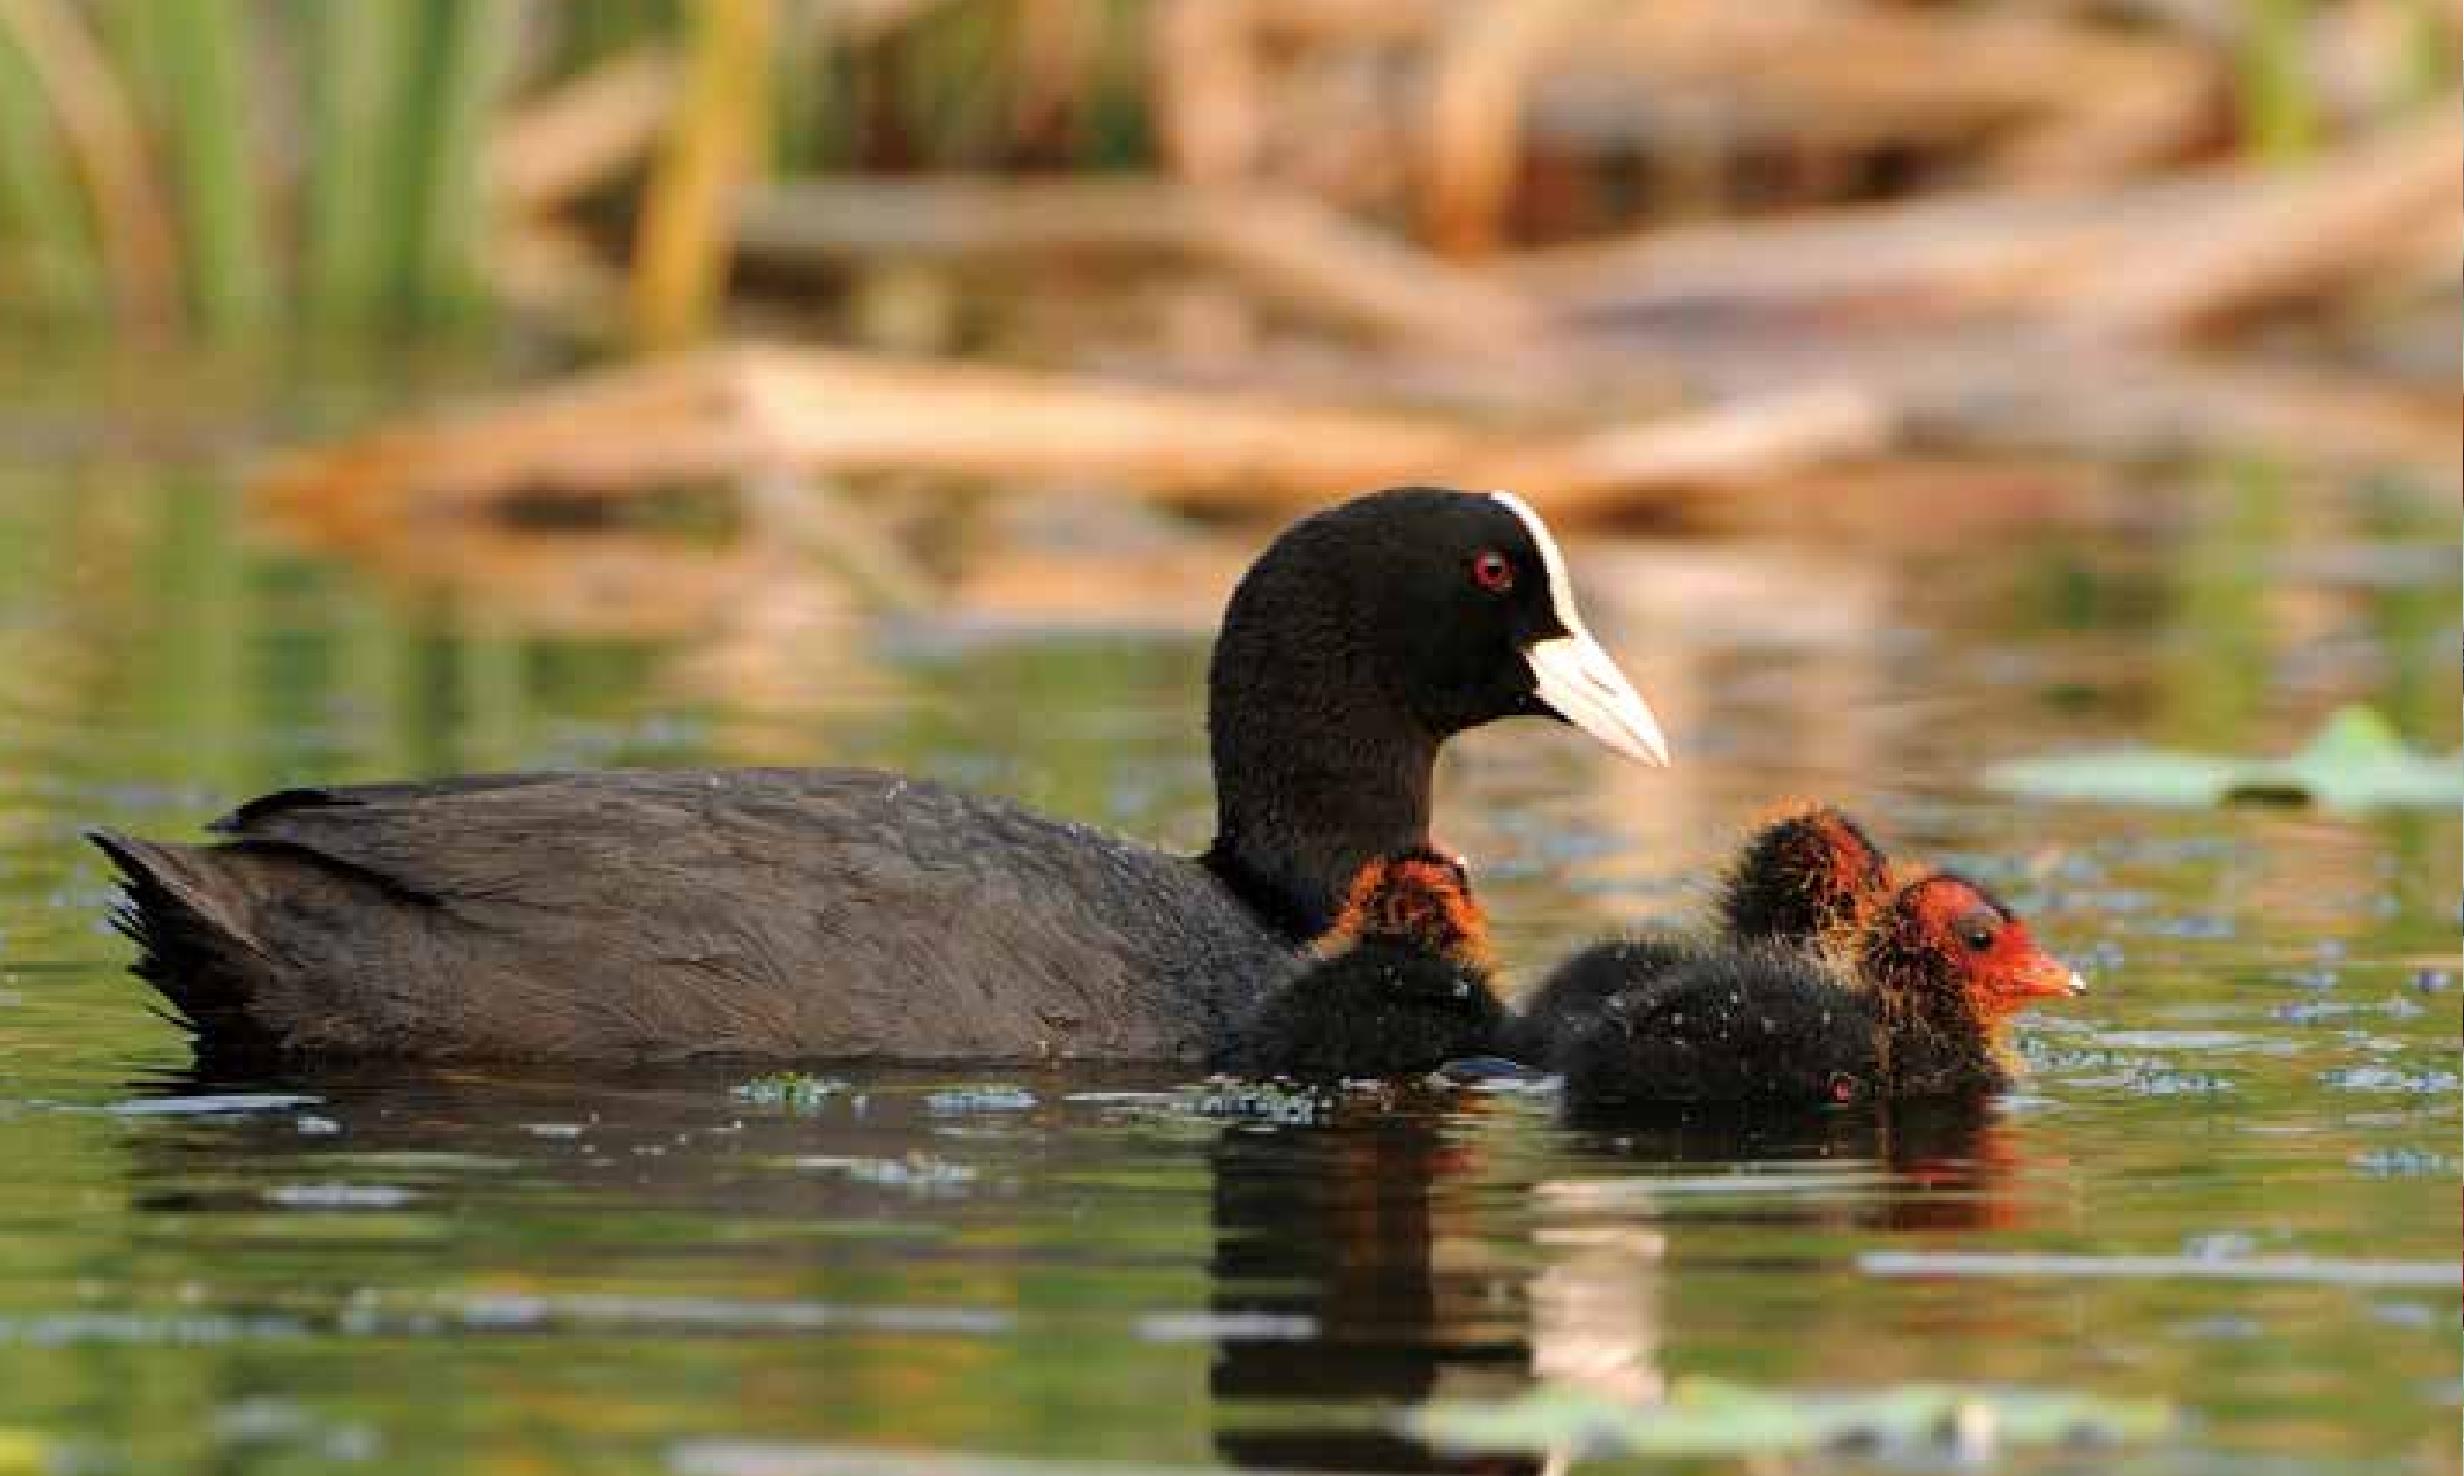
2230	1183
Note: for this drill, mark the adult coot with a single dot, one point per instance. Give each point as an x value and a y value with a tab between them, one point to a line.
846	913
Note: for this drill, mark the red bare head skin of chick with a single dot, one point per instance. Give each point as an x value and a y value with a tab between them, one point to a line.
1943	929
1808	872
1419	898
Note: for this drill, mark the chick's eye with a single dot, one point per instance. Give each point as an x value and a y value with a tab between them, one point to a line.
1493	571
1978	933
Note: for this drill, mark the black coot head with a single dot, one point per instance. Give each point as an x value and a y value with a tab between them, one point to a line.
1453	608
1361	640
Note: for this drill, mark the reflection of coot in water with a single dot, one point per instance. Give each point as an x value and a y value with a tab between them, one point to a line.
663	1140
1346	1261
1333	1228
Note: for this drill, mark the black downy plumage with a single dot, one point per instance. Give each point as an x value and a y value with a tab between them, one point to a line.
1800	878
1829	981
1402	983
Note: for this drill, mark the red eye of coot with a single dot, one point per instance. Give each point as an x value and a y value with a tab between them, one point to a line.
1493	572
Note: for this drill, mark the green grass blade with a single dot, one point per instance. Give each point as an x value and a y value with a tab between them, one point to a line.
2280	117
208	114
43	223
465	50
355	60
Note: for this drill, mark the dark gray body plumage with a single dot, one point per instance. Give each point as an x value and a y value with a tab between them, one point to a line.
826	913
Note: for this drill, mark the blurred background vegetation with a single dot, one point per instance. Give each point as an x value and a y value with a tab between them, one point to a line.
234	168
757	313
1244	255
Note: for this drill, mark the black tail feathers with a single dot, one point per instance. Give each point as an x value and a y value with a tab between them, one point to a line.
190	948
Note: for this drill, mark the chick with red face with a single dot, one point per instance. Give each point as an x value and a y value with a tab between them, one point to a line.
1823	975
1950	966
1913	998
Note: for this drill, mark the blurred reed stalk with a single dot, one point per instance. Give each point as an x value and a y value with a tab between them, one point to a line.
99	130
463	55
184	153
2280	112
204	58
349	204
43	230
2430	58
238	168
712	148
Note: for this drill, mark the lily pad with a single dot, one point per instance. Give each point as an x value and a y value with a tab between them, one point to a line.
1712	1417
2355	761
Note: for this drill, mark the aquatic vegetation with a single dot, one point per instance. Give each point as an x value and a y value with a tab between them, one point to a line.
2393	1163
978	1099
142	1329
2192	1265
2356	761
339	1196
1712	1417
922	1172
215	1104
2390	1079
1262	1100
797	1090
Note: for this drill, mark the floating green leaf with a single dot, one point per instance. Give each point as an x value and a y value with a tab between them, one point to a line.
1711	1417
2356	761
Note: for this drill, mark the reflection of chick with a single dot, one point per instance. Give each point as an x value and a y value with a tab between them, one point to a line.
1401	985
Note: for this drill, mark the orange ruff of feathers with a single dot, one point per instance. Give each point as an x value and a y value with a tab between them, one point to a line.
1418	898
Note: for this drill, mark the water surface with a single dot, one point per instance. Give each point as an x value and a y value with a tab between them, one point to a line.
2199	1196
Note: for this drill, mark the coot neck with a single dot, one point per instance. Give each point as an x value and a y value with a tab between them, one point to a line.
1318	769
